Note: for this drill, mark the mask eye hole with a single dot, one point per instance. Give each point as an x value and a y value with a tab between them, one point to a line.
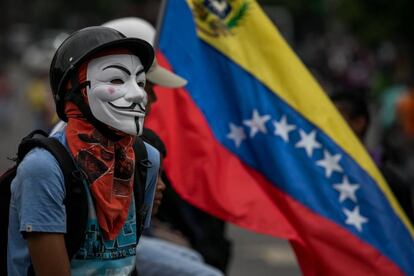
141	84
117	81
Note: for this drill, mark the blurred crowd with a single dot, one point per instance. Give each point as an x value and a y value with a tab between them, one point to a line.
373	88
377	85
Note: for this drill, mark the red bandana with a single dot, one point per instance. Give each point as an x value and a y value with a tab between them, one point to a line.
108	165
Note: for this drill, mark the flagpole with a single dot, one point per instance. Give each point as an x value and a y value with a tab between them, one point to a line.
160	20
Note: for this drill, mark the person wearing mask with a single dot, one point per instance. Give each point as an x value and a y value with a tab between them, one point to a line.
97	77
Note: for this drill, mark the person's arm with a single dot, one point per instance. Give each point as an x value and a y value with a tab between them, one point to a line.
151	183
38	194
48	254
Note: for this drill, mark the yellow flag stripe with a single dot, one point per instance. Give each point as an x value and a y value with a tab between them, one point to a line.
257	46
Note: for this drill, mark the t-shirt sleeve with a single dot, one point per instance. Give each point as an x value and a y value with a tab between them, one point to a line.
151	185
38	192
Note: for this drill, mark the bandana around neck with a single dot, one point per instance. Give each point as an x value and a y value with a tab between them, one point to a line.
108	165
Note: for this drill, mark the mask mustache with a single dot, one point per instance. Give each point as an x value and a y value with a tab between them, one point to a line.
131	107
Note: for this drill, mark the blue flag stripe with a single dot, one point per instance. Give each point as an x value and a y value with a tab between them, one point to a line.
227	94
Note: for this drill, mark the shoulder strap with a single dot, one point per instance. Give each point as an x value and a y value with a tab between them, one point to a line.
140	179
75	199
52	145
5	195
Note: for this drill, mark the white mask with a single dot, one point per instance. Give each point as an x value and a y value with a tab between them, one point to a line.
116	95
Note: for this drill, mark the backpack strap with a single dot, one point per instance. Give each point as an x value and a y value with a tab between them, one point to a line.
52	145
5	195
140	179
75	199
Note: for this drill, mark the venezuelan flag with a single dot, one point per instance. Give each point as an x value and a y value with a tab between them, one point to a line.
254	140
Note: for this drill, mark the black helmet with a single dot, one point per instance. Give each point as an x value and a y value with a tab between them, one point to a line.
82	44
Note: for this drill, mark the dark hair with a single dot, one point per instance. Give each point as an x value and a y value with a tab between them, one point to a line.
154	140
356	101
356	105
410	80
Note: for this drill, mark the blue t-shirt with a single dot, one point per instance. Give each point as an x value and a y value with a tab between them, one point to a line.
36	205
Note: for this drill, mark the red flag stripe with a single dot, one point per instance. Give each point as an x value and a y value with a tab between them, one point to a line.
244	197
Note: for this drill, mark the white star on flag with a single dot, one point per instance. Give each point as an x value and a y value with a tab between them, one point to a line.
236	134
257	123
330	163
354	218
282	128
308	142
346	190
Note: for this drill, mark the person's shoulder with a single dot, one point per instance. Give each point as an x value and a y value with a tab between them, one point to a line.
39	166
58	129
153	154
39	163
59	133
38	160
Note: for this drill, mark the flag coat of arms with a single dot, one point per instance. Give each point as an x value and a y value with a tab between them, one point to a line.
254	140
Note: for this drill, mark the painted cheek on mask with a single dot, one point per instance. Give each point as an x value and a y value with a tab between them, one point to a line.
107	93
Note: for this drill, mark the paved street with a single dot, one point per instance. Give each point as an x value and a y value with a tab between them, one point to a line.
260	255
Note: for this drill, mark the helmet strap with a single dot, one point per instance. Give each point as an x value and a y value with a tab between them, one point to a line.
76	97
